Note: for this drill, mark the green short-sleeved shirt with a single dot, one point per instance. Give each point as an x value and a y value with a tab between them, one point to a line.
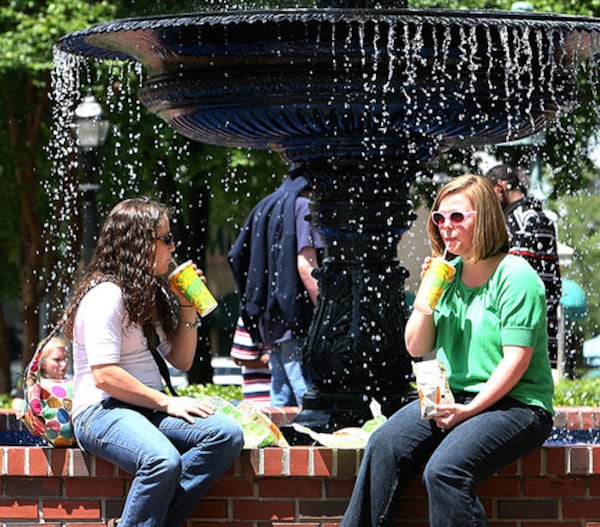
474	323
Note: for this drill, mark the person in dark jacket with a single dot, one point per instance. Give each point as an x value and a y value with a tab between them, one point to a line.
272	262
532	235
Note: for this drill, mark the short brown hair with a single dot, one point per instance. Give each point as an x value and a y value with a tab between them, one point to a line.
490	236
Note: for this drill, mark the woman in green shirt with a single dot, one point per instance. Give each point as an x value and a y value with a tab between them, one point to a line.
489	330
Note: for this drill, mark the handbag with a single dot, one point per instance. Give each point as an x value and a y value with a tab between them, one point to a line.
47	406
48	403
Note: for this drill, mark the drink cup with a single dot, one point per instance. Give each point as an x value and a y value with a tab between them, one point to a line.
187	281
437	277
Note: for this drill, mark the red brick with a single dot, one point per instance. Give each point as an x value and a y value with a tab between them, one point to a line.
273	461
347	464
579	460
581	508
38	461
336	488
37	487
323	462
322	508
524	509
555	487
15	509
510	470
556	460
213	509
289	488
232	487
84	465
500	487
58	461
263	510
94	487
16	461
71	509
298	461
531	463
411	508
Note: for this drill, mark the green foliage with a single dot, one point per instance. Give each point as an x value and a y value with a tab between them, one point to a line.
30	28
229	392
579	227
579	392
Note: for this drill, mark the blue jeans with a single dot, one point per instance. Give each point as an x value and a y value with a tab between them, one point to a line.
173	462
288	383
453	462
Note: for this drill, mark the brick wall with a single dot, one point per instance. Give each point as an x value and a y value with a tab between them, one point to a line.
299	486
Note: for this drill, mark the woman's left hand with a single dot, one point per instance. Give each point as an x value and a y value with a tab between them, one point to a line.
188	407
450	415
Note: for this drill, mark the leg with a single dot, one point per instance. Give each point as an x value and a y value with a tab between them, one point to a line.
124	436
281	392
473	451
394	455
291	358
208	447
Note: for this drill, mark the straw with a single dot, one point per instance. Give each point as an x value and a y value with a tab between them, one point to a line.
445	252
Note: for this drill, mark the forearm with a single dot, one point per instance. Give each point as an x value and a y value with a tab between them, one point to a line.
185	339
118	383
306	262
419	334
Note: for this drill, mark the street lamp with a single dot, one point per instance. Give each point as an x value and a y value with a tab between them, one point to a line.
91	129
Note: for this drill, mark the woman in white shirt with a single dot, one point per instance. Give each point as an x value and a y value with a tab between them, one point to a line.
175	446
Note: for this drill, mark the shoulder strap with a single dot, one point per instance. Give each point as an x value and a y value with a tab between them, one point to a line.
152	339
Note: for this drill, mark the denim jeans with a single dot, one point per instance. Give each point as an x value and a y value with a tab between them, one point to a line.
288	383
453	462
173	462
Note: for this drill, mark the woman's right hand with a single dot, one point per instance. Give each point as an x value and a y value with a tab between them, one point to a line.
188	407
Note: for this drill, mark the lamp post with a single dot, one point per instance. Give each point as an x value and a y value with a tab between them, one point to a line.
91	129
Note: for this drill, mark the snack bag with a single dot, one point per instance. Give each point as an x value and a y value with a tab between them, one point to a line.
259	430
432	386
351	437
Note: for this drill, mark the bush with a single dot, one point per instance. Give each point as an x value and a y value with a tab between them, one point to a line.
577	392
228	392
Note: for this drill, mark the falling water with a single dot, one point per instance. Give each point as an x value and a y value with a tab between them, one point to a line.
360	100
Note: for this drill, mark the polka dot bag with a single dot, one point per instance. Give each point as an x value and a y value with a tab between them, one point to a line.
46	411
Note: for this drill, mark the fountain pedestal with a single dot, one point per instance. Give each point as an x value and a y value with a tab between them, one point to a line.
357	100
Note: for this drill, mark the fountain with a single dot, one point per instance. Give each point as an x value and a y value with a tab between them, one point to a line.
357	99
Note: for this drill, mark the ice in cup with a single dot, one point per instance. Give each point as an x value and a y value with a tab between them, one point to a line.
187	281
437	277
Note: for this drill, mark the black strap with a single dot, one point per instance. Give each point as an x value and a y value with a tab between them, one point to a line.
152	339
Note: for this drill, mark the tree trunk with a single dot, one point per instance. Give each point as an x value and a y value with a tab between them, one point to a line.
25	125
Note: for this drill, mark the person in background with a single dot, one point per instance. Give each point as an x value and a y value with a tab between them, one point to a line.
489	331
254	361
272	261
54	360
532	236
175	447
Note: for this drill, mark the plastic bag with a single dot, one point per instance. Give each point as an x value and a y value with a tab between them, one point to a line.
432	386
259	430
351	437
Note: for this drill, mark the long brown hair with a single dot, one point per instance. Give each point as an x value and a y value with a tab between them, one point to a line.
125	254
490	236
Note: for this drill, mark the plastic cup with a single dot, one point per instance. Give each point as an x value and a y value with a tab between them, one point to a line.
187	281
437	277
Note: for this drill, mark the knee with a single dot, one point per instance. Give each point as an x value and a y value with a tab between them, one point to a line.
231	437
164	465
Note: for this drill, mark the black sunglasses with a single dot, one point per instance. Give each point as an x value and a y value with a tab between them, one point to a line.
455	217
169	239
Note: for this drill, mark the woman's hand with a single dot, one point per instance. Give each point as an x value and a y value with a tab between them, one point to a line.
188	407
178	294
450	415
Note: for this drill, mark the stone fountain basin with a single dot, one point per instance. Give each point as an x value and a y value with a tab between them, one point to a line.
397	83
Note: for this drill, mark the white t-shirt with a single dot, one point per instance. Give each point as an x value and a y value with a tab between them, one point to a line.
102	335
